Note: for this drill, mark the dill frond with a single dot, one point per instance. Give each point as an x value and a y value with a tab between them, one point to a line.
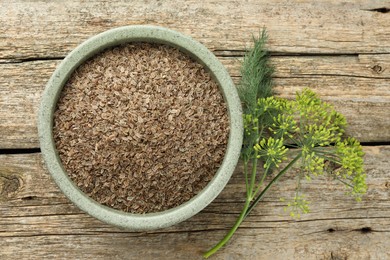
256	74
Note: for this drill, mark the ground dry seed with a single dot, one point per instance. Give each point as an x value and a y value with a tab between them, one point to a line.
141	127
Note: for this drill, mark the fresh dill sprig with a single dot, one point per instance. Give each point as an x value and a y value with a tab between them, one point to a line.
313	130
256	74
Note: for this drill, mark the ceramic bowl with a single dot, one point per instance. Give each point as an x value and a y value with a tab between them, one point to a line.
116	37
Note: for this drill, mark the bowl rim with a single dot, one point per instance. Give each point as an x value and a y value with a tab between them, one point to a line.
114	37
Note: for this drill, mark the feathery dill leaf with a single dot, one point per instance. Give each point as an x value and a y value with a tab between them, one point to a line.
256	74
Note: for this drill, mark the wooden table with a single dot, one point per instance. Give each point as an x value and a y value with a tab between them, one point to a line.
341	50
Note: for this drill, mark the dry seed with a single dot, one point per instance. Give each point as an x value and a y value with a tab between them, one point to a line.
141	127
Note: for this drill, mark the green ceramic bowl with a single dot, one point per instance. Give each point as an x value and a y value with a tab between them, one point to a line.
115	37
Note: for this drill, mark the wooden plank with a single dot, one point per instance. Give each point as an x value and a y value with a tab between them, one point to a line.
261	244
53	29
355	84
21	86
373	66
37	221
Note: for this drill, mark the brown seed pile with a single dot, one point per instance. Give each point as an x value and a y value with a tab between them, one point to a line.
141	127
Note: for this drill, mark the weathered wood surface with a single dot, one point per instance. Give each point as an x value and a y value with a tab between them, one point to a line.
295	26
339	49
38	221
358	85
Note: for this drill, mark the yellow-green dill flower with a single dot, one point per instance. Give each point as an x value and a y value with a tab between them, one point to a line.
272	151
352	166
351	156
297	206
265	104
312	163
284	124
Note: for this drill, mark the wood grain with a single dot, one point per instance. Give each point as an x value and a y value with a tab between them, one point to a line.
32	29
21	86
355	84
340	49
38	221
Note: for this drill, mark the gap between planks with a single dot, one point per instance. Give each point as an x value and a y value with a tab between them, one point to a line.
217	52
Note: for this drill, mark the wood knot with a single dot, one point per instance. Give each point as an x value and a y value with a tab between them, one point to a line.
366	230
8	185
377	69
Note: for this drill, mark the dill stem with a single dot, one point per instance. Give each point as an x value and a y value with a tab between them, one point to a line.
250	194
344	182
249	197
280	174
249	206
231	232
253	177
261	182
246	177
